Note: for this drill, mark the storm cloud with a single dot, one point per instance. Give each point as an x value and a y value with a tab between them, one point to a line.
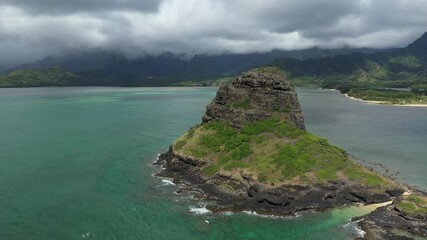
31	30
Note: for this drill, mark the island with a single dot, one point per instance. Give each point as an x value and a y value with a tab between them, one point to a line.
251	152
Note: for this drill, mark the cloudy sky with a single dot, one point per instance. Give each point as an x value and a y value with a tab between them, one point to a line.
34	29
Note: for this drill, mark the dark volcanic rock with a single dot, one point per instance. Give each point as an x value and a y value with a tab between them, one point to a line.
395	192
389	223
239	193
254	96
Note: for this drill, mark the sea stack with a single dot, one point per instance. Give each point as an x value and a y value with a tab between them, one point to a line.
251	152
254	96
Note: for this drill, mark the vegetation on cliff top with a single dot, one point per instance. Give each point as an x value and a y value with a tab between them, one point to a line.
274	151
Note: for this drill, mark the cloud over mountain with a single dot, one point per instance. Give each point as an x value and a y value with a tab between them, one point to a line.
30	30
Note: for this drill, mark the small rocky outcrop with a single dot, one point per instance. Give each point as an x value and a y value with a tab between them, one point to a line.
256	95
393	222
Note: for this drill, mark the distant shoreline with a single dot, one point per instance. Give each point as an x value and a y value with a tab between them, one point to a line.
383	102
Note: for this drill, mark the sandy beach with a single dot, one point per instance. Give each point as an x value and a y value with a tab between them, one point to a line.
372	207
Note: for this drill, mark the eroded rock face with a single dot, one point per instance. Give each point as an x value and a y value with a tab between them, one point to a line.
254	96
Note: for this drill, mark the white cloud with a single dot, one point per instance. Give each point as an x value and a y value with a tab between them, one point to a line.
30	31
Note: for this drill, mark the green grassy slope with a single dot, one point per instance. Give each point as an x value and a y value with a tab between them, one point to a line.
413	205
274	152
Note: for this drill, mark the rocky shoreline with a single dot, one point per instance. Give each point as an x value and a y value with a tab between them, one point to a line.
240	192
390	222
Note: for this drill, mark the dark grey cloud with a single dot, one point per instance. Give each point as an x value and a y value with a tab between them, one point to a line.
30	30
290	16
53	7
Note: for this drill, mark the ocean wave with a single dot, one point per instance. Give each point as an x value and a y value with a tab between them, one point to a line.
199	210
227	213
86	235
154	160
355	227
254	213
166	182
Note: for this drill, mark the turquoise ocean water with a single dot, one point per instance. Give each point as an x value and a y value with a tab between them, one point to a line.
75	161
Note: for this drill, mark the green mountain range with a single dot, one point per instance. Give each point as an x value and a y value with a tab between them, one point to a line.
342	69
405	67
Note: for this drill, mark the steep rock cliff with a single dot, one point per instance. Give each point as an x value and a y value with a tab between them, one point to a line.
256	95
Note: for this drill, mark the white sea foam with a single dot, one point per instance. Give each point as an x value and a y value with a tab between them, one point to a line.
199	210
356	228
360	232
86	235
227	213
166	182
253	213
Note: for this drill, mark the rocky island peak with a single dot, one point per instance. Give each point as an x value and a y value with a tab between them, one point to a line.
256	95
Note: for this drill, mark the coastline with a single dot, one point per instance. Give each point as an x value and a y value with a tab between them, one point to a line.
375	211
383	102
233	195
